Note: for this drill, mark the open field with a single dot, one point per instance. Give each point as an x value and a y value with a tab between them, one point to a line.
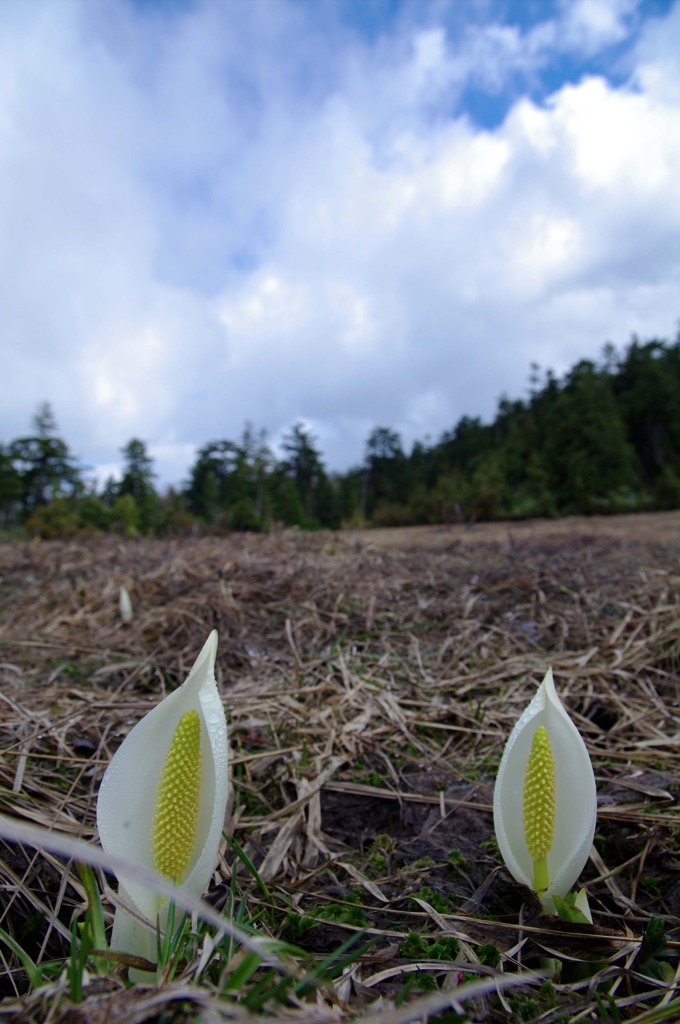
370	680
650	526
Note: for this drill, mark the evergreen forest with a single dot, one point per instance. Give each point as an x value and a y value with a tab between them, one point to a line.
605	438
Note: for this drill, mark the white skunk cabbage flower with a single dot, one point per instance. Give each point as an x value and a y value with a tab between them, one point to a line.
163	798
544	802
125	604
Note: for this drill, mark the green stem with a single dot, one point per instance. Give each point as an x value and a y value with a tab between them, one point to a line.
541	876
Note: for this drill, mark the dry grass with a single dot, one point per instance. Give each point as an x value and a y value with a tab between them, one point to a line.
370	682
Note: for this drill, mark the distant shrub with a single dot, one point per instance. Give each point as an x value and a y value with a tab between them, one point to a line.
58	519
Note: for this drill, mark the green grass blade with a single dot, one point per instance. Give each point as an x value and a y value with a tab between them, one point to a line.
95	915
247	862
35	975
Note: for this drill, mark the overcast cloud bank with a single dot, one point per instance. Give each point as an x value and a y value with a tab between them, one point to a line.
274	211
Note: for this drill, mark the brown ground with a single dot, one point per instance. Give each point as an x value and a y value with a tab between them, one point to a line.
370	679
651	526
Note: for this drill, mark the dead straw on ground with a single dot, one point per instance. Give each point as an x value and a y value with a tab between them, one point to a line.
370	687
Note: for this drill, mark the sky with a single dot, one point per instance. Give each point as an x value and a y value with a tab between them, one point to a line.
345	213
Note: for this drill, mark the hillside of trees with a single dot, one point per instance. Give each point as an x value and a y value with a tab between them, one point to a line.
605	438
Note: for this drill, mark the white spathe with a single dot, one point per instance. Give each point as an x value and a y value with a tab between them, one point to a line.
127	797
125	604
575	796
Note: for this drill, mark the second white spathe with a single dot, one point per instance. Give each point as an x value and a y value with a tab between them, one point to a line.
575	796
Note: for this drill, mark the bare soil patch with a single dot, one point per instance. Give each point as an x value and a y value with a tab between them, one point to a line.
371	680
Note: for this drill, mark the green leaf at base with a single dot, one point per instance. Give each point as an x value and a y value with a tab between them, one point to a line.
573	907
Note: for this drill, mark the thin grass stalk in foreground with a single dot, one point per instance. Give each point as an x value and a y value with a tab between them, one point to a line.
78	849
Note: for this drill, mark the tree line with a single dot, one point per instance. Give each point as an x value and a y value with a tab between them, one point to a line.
604	438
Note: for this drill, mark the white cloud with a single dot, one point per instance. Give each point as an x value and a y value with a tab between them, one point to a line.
591	25
211	216
656	69
621	143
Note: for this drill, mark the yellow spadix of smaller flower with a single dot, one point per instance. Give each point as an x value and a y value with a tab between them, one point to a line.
545	803
538	808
